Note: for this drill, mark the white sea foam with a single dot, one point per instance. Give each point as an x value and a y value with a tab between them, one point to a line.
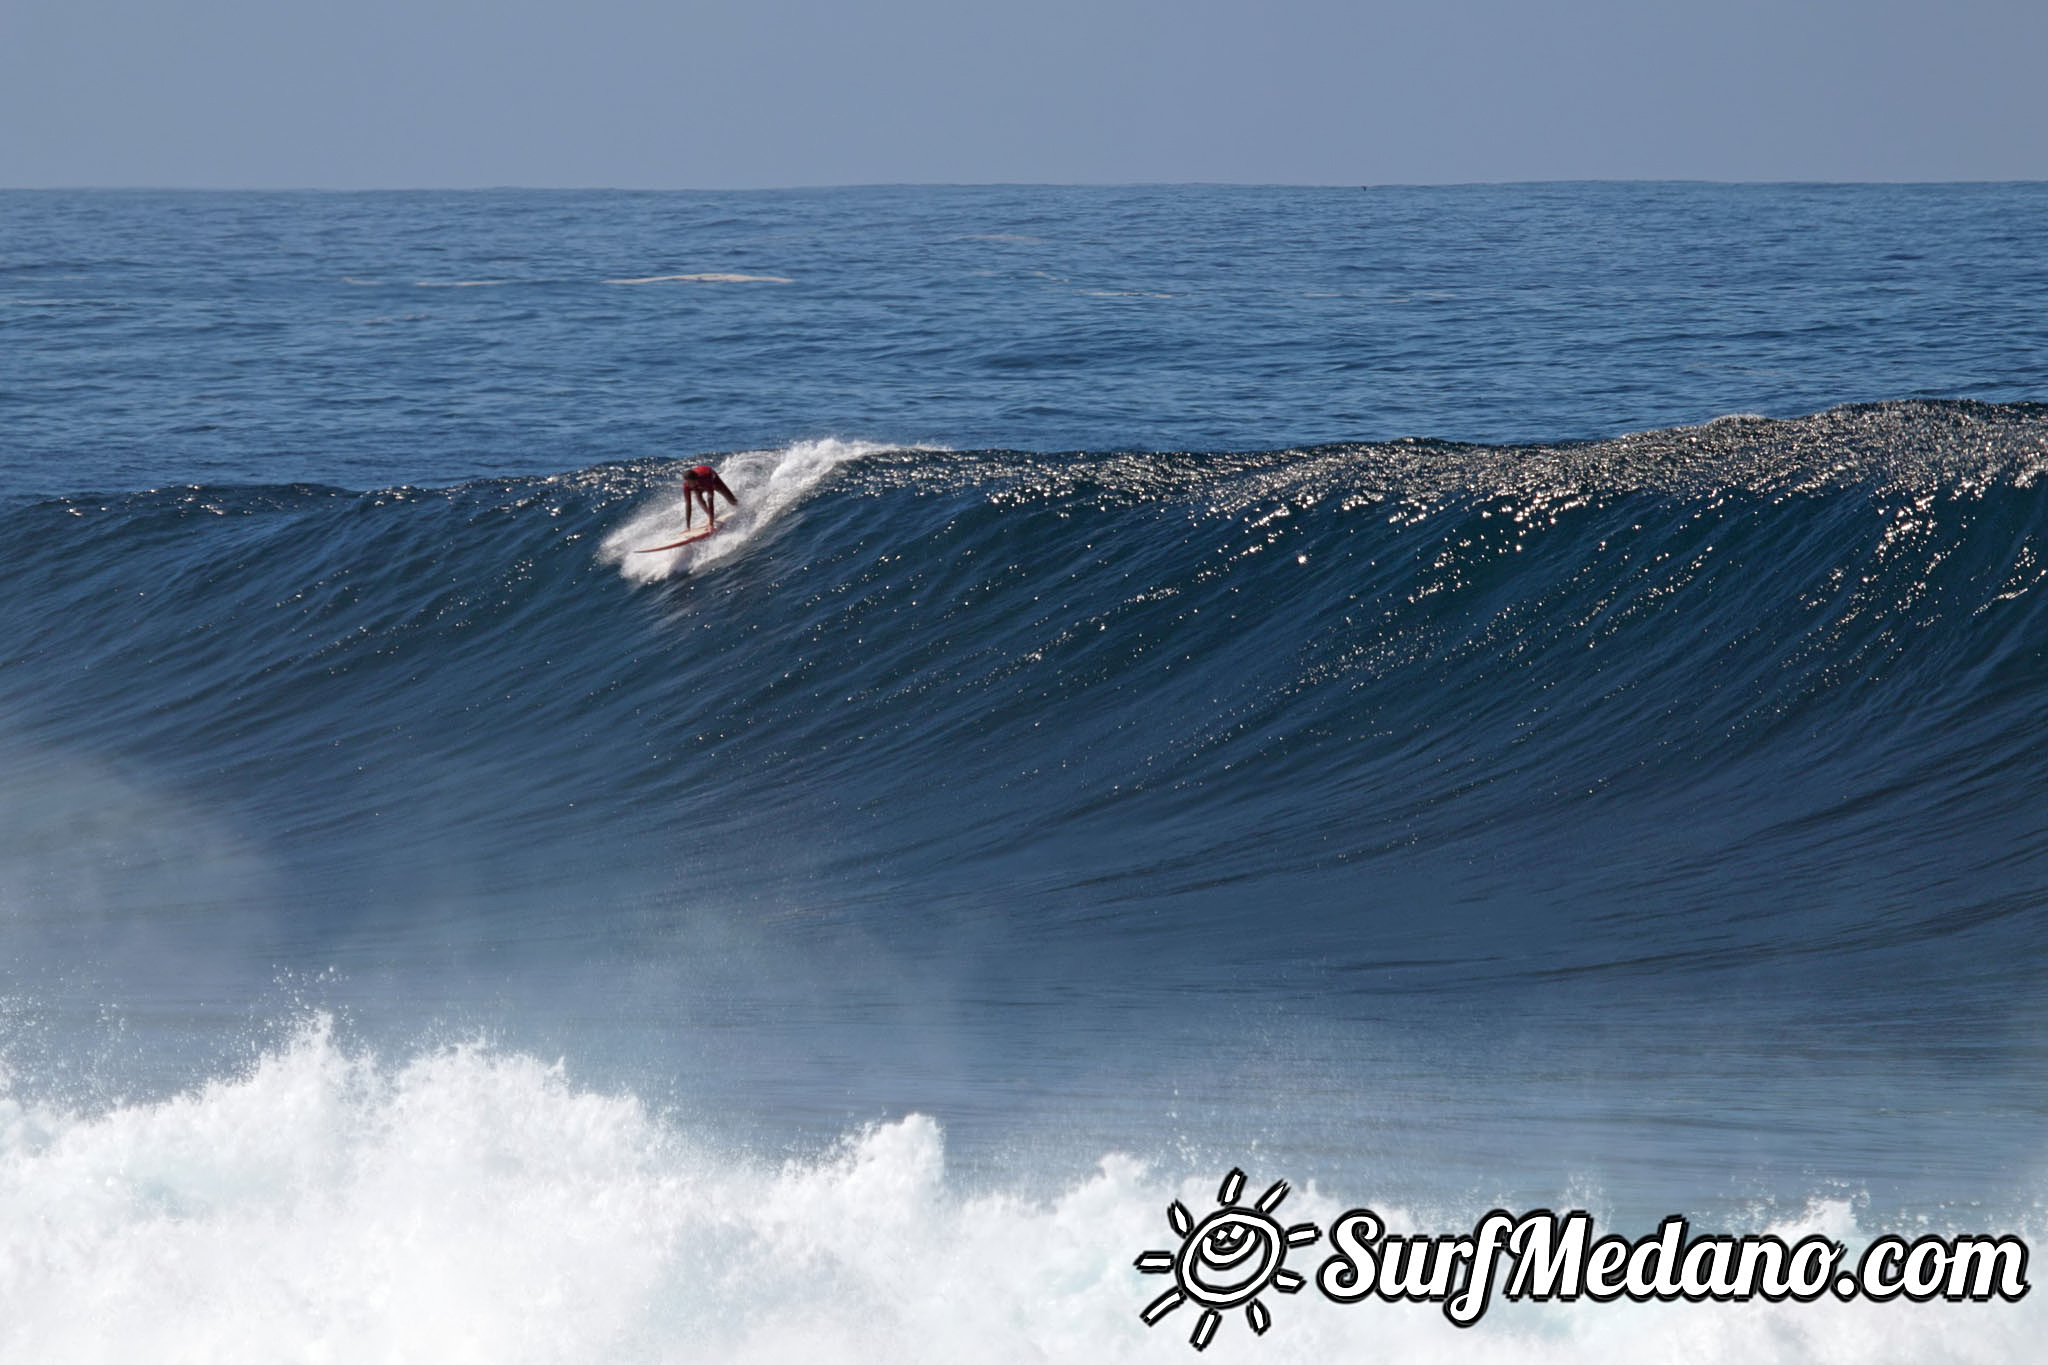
767	484
713	277
473	1205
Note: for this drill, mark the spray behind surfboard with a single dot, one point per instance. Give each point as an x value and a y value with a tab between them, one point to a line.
767	483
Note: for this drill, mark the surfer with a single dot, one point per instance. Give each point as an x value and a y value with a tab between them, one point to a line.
701	487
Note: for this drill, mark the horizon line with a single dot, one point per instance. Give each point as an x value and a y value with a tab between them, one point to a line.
988	184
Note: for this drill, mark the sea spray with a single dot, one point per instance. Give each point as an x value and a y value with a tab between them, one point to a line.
768	483
470	1204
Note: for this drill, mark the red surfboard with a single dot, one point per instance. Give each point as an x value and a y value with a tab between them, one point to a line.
697	535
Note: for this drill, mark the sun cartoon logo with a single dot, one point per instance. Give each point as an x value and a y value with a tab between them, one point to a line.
1227	1259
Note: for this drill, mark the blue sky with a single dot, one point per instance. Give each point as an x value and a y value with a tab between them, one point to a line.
683	94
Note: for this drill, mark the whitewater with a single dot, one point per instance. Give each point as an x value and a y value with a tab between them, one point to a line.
472	1207
1468	699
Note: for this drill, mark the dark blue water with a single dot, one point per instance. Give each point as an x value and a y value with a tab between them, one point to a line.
1197	673
374	339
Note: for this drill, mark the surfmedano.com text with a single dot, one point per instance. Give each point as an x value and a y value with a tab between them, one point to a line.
1543	1256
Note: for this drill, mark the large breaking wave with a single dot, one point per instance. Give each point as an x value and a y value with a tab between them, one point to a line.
1739	725
1778	643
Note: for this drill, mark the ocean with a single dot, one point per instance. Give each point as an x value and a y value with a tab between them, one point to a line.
1465	698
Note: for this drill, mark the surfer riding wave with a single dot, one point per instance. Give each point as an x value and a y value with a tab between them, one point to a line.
747	491
700	489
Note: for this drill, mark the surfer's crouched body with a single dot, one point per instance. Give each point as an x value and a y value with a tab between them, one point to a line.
700	489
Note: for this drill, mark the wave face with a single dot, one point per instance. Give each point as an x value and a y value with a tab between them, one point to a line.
1139	674
1737	698
1583	810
